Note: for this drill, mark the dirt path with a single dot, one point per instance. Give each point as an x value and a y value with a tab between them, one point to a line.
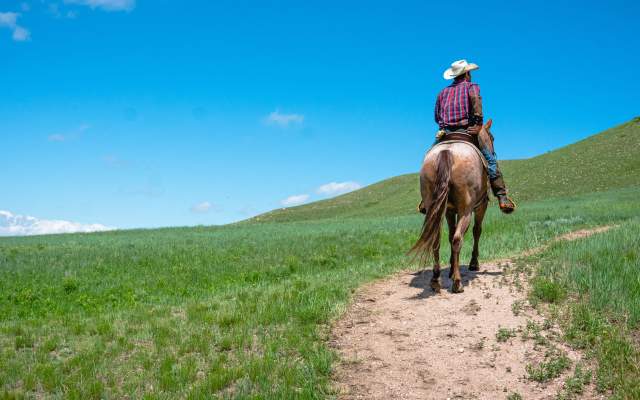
399	340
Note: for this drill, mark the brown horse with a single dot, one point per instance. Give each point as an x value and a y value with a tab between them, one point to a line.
453	182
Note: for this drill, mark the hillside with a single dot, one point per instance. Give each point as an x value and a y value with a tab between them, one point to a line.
601	162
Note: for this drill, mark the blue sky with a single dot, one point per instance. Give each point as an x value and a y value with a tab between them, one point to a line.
160	113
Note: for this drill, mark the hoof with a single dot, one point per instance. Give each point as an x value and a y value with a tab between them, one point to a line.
435	285
457	287
474	267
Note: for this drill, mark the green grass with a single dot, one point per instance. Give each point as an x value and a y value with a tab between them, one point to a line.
600	163
598	279
554	364
239	311
574	386
505	334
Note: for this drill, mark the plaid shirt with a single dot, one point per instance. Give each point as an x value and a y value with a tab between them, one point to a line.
459	104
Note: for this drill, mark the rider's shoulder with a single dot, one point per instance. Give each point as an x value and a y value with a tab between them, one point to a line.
474	87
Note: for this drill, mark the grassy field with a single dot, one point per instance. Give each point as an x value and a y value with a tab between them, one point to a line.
608	160
242	311
238	311
596	283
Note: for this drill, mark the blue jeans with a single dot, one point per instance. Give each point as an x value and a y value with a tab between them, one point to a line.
492	162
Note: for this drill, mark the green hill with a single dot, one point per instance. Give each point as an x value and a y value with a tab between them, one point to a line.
605	161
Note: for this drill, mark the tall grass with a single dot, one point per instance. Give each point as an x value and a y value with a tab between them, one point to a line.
238	311
599	276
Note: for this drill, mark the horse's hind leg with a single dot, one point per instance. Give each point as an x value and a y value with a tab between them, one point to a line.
451	223
461	229
435	279
474	265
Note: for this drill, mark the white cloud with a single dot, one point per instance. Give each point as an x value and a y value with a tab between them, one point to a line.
21	225
201	208
10	20
113	160
276	118
75	134
334	188
20	34
295	200
107	5
54	9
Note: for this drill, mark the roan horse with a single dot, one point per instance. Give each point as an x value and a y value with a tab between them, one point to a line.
453	182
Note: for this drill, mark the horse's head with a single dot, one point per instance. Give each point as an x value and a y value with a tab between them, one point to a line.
487	127
485	137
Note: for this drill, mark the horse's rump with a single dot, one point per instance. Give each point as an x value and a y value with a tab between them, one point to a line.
450	170
471	145
468	169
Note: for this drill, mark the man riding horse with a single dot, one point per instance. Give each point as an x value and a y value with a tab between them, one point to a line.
458	113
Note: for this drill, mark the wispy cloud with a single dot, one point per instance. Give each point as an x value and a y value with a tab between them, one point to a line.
57	137
283	120
54	9
74	134
10	20
113	160
202	208
295	200
335	188
21	225
106	5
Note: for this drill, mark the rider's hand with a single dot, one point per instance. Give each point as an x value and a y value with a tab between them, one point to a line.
474	130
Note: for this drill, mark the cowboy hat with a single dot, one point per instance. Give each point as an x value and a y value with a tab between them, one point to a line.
459	68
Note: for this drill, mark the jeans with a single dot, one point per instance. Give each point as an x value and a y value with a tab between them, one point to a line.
492	162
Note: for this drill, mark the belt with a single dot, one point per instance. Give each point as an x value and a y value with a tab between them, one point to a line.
460	135
456	128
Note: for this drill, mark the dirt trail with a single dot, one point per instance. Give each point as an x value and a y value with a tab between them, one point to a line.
399	340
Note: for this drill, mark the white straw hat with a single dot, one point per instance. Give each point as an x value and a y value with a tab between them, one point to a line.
458	68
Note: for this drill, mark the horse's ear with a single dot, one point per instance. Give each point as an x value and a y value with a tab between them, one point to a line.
488	124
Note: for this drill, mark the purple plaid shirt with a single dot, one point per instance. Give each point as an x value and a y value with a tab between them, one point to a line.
453	105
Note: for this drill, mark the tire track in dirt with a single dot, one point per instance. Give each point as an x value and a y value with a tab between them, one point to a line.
400	340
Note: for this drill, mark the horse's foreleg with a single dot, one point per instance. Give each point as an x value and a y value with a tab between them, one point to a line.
474	265
456	246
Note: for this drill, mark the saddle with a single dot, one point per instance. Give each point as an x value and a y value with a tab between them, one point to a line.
458	137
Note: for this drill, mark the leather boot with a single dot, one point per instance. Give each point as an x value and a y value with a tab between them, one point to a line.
499	190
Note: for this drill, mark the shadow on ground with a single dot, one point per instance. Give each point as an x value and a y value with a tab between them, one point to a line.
422	280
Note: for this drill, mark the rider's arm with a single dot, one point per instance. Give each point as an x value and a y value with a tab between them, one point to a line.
476	117
475	113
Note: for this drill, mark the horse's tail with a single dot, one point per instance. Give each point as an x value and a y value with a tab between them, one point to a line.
436	208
